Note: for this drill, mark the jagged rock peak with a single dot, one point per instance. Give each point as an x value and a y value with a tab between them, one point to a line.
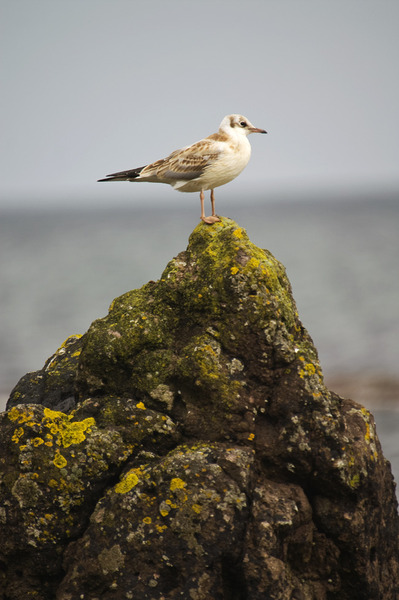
186	447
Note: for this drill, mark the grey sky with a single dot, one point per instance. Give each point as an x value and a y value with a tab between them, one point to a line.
94	86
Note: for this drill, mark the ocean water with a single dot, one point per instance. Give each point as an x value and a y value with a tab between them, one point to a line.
60	270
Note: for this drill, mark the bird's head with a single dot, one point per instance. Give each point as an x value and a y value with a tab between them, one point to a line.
239	125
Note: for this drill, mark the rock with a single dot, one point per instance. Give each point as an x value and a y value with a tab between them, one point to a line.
187	447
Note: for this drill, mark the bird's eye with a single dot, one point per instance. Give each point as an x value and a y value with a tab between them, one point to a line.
243	124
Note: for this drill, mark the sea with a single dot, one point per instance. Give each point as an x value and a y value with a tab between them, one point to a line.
61	267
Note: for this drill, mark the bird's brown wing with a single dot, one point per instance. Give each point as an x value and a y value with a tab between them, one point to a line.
182	165
185	164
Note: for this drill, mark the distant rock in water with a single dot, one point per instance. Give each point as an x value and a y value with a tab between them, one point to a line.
187	447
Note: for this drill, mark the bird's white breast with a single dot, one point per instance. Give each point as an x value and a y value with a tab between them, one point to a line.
232	159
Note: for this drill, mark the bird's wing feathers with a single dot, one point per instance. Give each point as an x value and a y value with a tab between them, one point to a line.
185	164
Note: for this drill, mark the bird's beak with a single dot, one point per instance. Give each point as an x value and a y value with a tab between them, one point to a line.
256	130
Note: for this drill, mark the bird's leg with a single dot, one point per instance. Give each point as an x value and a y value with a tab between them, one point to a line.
214	215
214	218
213	203
202	205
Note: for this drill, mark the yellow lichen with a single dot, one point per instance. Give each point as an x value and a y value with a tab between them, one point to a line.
177	484
37	441
266	273
129	481
308	369
65	431
253	263
59	461
75	433
238	233
21	415
141	406
18	433
74	337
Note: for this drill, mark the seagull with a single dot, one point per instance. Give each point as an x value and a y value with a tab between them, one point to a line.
209	163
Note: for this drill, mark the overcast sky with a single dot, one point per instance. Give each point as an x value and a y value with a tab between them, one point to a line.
94	86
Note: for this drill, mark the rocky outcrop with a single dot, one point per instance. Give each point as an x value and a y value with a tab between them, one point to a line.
187	447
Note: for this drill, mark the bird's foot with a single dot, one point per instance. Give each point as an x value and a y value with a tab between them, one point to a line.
210	220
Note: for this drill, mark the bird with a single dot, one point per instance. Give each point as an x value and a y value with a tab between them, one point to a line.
205	165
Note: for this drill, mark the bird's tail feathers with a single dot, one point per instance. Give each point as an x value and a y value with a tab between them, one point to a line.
130	175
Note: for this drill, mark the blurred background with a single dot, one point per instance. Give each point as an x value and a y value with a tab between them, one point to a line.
93	87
